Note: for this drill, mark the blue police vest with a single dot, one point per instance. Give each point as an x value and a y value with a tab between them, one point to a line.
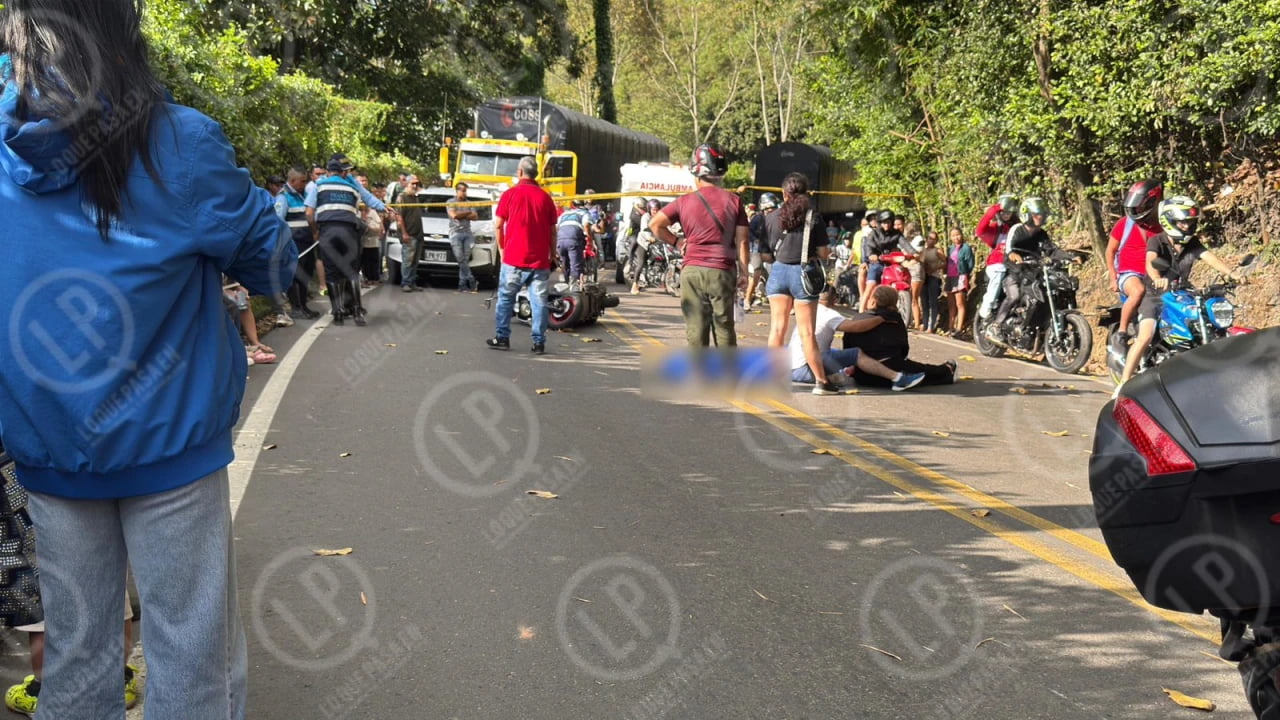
337	200
570	226
296	215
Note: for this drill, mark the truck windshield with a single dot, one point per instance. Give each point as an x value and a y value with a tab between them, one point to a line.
493	164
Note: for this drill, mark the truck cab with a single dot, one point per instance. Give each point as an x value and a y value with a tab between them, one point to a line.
437	254
492	164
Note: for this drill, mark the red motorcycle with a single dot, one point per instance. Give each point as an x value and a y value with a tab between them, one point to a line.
898	277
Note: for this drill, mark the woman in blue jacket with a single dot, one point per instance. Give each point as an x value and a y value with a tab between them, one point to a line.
122	374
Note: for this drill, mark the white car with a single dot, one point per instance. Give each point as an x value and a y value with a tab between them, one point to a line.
437	255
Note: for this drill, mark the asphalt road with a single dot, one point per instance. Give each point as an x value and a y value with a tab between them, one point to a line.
700	561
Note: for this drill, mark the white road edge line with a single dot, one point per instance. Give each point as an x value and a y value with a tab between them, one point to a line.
252	433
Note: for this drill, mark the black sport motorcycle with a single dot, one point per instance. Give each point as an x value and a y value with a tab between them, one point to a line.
663	266
1046	318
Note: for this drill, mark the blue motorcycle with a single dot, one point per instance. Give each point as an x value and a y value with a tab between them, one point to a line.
1191	317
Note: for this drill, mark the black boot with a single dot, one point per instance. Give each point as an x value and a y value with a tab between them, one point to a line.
335	302
357	307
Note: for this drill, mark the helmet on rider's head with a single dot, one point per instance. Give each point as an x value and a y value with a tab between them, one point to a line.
1034	206
1180	209
1008	203
579	203
1142	198
768	201
708	162
885	217
654	205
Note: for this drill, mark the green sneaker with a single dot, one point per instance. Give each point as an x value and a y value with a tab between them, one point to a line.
21	698
130	686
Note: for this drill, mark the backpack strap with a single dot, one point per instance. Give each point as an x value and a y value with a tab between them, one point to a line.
725	236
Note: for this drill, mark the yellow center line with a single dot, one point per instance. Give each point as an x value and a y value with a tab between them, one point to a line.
1111	583
1198	626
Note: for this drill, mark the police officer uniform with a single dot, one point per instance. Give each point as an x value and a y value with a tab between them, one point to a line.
336	203
296	218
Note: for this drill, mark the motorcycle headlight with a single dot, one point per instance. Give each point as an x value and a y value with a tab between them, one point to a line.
1222	313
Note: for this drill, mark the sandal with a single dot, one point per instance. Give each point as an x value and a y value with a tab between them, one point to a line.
261	355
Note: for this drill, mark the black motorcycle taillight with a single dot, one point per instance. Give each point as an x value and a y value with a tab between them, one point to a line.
1163	454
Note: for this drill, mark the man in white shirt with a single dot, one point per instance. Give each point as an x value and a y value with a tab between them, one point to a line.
841	363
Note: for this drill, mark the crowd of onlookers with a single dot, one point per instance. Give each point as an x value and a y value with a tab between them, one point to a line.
286	308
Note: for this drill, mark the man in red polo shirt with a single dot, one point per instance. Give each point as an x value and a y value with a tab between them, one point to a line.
716	256
524	226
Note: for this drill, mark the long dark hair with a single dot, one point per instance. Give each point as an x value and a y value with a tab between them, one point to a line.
84	66
791	214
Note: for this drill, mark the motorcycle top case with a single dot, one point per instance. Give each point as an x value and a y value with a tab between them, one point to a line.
1199	535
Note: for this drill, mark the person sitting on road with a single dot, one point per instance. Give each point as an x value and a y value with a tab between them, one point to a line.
1027	241
881	334
844	364
1170	257
573	232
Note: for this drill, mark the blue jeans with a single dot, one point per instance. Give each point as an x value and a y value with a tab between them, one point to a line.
462	244
932	290
179	544
509	283
833	361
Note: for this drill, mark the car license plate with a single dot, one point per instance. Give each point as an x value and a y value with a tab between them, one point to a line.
435	256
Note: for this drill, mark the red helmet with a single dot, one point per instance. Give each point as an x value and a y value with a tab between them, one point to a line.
1142	198
708	161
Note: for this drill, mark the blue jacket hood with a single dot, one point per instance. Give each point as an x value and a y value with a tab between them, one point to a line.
35	150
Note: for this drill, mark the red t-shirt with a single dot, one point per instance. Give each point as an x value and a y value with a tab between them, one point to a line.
1132	255
704	242
529	231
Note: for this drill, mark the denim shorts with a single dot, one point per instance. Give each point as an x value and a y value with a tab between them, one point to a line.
785	279
875	271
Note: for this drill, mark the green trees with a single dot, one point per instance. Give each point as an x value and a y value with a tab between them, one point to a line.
957	101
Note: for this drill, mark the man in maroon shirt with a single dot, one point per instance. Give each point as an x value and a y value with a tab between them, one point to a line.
524	226
716	256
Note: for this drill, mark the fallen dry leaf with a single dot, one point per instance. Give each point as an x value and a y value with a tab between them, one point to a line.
527	633
363	600
272	446
1217	657
984	642
1187	701
542	494
968	358
391	345
590	339
762	597
1019	390
822	451
1060	433
882	652
543	391
980	512
442	352
331	553
1015	612
762	324
941	433
566	459
966	377
829	612
584	600
345	455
